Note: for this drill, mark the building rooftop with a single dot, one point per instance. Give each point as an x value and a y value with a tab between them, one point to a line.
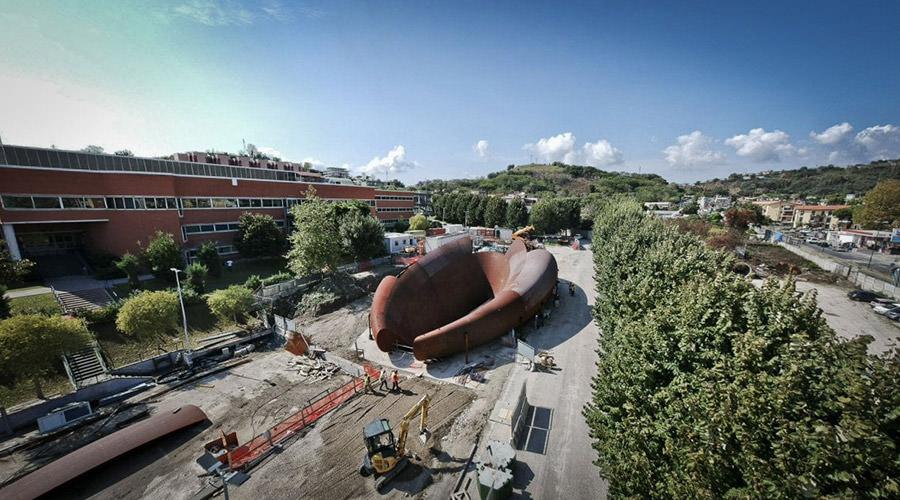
817	208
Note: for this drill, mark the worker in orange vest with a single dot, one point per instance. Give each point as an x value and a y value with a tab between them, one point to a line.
395	381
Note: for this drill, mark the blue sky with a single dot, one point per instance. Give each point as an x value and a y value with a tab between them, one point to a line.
415	90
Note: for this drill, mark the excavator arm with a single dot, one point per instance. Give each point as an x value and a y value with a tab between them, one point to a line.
420	408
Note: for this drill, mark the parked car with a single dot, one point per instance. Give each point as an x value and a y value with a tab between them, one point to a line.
862	295
884	308
894	315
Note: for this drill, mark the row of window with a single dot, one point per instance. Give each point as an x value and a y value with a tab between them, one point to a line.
221	249
217	227
87	202
143	202
393	197
394	209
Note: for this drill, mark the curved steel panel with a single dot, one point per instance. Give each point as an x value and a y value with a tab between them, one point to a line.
453	296
82	460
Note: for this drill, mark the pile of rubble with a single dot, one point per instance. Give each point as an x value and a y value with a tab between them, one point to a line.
316	369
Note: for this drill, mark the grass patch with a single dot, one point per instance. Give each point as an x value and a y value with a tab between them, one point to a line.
782	262
123	349
23	390
44	303
236	276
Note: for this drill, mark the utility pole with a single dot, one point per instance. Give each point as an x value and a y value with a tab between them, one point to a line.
187	338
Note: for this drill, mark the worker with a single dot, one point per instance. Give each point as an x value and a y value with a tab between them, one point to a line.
571	289
395	381
384	380
368	382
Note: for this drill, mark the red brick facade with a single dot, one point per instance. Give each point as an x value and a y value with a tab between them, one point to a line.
119	230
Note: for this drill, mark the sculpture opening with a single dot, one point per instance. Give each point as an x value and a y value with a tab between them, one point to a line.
452	298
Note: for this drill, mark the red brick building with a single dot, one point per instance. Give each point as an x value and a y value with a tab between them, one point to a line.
53	201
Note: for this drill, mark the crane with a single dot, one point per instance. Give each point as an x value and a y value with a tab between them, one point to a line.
385	456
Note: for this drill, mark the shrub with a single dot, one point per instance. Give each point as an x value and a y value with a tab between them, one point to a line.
231	303
162	255
5	308
196	277
258	236
105	314
418	222
131	267
208	255
149	313
253	282
275	278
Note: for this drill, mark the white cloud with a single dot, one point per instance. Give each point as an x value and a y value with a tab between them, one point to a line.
760	146
481	148
231	12
394	162
833	134
601	154
880	141
557	148
692	150
270	152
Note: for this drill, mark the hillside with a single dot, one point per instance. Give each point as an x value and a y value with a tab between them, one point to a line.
822	182
564	180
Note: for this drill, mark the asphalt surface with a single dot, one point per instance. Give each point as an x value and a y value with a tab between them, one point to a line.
565	469
880	263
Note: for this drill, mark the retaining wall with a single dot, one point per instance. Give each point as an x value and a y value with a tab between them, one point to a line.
851	273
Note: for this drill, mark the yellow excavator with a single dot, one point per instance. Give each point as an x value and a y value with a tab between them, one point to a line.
523	234
385	457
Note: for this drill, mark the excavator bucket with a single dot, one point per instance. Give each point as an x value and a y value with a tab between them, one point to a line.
425	436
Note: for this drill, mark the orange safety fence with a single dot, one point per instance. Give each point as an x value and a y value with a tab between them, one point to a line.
250	453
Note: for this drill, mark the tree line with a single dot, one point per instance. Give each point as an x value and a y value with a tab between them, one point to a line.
549	215
710	387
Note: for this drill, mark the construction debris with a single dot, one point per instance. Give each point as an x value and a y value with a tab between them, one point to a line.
313	368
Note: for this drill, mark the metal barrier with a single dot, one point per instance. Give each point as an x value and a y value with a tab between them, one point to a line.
249	454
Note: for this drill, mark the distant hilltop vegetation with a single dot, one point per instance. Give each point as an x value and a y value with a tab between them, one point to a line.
821	182
565	180
574	180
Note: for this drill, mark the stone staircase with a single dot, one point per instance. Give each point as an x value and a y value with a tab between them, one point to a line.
85	365
74	300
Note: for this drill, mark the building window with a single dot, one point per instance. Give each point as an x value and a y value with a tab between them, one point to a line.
17	202
46	202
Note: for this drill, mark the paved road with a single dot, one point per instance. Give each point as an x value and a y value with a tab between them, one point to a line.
880	262
566	469
852	319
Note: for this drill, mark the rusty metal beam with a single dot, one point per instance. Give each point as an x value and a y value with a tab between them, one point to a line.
86	458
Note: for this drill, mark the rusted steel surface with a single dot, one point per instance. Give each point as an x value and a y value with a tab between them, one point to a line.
453	296
82	460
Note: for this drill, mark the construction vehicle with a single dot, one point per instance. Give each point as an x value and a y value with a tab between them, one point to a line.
385	457
523	234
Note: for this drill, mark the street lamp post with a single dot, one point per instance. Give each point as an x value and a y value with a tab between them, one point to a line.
187	339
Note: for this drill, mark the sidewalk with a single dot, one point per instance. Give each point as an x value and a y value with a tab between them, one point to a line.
27	292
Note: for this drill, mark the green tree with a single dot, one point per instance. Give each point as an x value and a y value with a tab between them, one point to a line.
362	236
196	276
12	270
231	303
709	387
208	255
880	207
419	222
475	210
495	211
149	314
162	255
516	214
93	149
131	266
740	217
258	236
552	215
31	344
691	208
315	242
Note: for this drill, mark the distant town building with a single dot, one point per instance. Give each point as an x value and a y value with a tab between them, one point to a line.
397	242
816	215
777	210
529	200
707	204
860	238
339	172
658	205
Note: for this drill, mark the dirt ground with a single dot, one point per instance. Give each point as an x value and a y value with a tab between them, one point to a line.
325	463
242	399
336	331
777	261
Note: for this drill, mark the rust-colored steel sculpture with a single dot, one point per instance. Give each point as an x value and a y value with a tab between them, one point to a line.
453	298
82	460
